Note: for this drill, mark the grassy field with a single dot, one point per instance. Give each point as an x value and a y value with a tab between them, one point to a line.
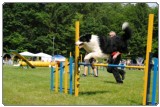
32	87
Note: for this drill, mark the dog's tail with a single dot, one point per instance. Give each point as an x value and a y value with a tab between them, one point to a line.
127	31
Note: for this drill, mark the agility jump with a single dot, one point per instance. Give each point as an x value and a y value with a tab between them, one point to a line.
56	83
23	58
147	69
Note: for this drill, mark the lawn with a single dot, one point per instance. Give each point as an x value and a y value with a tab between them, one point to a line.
23	86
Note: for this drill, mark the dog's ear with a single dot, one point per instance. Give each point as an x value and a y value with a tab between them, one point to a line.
88	37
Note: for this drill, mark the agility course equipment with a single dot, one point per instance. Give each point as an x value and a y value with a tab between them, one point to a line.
76	75
37	63
147	68
57	77
154	81
32	64
148	51
23	58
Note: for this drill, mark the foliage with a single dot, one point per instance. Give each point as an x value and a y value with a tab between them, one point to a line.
32	26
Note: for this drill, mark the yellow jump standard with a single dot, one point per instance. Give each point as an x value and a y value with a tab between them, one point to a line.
148	50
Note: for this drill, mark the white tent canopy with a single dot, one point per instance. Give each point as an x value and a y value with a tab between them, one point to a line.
27	54
44	56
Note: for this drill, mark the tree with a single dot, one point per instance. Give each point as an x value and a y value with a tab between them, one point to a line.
32	26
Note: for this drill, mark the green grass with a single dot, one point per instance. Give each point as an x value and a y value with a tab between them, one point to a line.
32	87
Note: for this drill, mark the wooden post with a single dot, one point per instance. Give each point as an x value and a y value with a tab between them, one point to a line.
56	78
148	50
66	77
76	60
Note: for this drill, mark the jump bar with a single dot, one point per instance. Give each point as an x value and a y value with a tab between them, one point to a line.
113	65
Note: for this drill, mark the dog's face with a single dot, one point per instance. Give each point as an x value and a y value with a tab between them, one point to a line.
83	39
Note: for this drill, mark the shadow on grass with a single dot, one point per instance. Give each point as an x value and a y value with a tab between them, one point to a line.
93	92
112	82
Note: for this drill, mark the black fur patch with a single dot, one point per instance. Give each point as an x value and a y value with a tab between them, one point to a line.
85	38
105	44
116	43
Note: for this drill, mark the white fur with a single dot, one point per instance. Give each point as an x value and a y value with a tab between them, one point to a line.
92	48
93	45
125	25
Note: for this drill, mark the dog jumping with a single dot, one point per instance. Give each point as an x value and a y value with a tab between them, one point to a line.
102	46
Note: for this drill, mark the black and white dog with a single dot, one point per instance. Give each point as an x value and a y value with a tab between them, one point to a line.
103	46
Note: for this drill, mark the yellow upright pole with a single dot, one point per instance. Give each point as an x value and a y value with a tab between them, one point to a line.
66	77
76	60
148	50
56	78
70	54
